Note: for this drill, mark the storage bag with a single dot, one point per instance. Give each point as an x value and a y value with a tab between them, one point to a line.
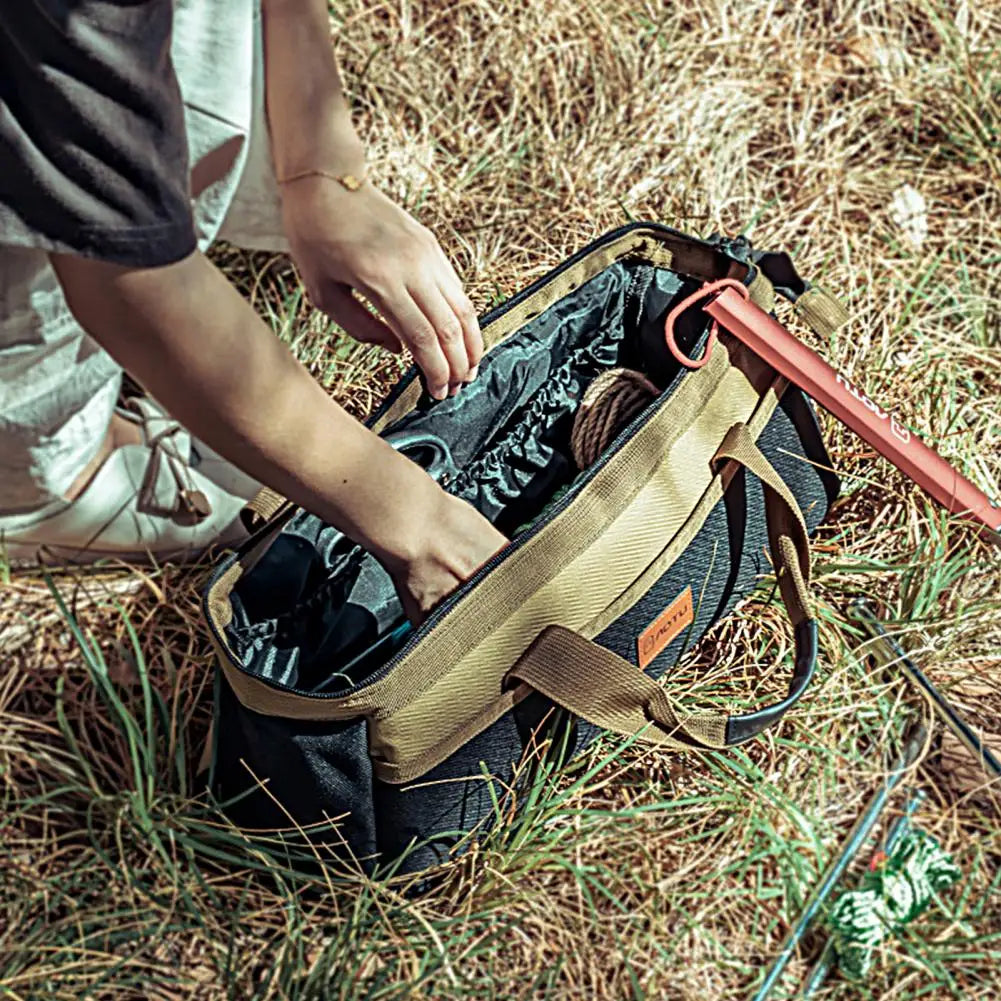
330	707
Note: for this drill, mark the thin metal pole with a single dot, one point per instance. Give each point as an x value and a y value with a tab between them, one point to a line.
913	744
889	654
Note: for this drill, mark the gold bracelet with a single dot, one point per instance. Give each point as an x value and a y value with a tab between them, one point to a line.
350	181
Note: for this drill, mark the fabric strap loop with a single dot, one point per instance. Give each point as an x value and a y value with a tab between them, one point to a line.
819	310
605	689
262	507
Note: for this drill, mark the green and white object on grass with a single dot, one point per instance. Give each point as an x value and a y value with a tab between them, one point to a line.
889	898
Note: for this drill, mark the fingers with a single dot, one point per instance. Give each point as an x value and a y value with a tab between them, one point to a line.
439	326
362	324
423	307
451	289
417	331
463	310
450	332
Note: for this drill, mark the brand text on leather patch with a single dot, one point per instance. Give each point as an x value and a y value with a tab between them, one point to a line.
665	627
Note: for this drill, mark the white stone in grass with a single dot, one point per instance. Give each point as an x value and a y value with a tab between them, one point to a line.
653	180
906	359
963	20
909	212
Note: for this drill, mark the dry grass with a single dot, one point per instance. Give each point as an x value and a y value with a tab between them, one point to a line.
519	131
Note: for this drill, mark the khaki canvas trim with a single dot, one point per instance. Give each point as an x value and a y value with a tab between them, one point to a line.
797	598
680	542
787	532
398	773
822	313
605	689
218	606
739	446
401	406
265	504
652	498
219	610
761	291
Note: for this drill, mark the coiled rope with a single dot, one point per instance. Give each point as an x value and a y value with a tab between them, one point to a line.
608	405
889	898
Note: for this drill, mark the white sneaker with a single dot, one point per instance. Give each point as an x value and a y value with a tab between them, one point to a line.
168	498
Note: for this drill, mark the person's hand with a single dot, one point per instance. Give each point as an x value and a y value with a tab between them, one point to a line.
360	243
448	549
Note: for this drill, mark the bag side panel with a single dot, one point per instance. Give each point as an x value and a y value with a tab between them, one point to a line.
723	563
312	770
728	555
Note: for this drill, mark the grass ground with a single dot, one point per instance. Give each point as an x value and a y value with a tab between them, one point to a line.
518	131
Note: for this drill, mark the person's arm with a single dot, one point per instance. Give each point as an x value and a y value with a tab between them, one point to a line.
200	349
346	242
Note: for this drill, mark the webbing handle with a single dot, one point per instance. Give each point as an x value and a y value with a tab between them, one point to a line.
606	690
822	312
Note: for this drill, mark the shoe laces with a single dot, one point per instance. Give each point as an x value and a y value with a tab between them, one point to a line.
164	438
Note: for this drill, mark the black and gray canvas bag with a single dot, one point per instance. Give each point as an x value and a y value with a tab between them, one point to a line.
329	707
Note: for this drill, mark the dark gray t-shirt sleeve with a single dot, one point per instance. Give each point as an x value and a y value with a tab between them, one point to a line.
93	153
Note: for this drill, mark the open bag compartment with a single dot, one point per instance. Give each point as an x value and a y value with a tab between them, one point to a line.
317	614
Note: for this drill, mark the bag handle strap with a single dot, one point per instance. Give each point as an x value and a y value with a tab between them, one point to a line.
605	689
821	311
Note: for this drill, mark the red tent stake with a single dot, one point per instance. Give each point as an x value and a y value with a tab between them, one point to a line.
729	306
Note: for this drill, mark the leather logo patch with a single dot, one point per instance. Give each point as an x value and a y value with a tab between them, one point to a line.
665	627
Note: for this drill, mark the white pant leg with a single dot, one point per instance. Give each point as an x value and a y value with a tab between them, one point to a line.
57	387
253	219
